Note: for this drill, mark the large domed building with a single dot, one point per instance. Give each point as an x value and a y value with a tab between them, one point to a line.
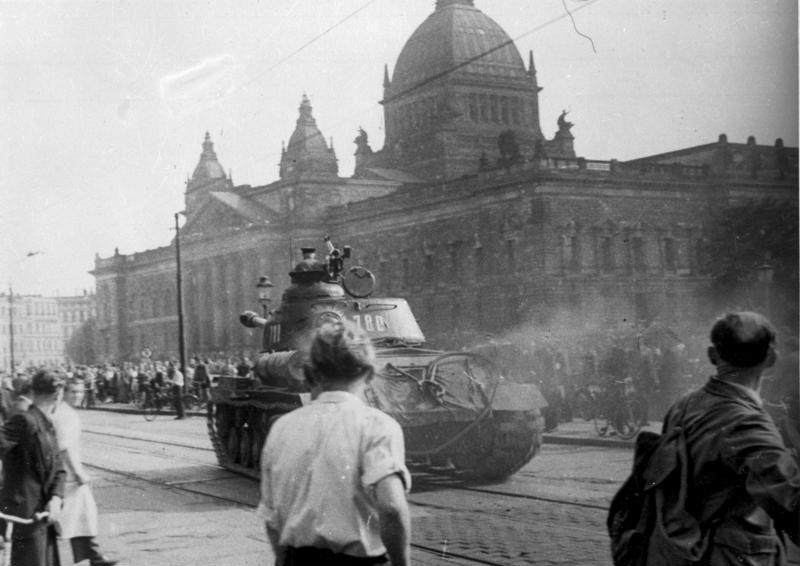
458	85
467	210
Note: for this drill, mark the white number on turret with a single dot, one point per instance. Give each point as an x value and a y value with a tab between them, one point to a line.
274	333
371	323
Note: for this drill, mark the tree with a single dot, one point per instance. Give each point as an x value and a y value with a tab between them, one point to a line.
82	346
745	243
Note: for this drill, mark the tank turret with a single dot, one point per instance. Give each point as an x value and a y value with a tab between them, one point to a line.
458	412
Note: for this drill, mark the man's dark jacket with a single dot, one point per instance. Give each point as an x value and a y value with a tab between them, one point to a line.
744	480
32	468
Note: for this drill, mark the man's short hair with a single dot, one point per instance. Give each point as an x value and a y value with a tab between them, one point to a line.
341	352
46	382
743	339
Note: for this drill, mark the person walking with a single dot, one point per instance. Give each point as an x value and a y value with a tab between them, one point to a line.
78	518
744	485
34	477
333	474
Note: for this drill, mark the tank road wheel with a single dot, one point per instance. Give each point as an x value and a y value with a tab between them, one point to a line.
232	445
246	446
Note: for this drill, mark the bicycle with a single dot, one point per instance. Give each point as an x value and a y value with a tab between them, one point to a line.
11	520
153	403
619	411
191	402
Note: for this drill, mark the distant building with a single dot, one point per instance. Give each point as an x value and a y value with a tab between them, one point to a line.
74	312
468	210
36	336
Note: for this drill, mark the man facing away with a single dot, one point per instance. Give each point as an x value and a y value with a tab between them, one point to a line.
333	474
33	479
78	517
176	377
744	482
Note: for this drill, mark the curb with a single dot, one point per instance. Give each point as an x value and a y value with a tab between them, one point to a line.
136	411
546	438
587	441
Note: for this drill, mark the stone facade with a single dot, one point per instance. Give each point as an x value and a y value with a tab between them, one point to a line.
483	232
37	335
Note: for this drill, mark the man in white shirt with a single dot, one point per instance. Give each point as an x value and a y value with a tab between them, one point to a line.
176	377
333	474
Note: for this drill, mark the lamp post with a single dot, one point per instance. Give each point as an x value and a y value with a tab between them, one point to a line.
765	273
264	287
11	326
179	286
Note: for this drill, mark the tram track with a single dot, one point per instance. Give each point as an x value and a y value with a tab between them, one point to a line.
201	487
427	482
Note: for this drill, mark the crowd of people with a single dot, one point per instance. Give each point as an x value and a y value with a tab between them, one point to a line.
334	480
130	382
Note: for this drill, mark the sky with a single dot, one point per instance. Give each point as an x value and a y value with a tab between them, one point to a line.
105	103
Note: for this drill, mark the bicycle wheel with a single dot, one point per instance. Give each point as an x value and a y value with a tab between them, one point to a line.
149	410
190	401
626	421
600	423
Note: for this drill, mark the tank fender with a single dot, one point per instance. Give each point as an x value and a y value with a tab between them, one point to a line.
511	396
282	369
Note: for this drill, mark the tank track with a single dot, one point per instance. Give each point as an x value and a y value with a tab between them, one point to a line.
237	432
497	448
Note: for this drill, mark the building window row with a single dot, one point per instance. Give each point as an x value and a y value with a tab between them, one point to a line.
612	252
415	115
495	109
453	263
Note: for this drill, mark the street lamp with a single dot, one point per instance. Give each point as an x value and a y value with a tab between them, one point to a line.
765	273
179	285
264	287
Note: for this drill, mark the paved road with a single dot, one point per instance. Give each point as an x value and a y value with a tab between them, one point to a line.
168	503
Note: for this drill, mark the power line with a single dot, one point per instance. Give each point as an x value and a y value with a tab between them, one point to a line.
310	41
497	47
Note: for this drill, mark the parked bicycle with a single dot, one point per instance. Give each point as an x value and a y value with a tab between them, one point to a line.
154	401
616	410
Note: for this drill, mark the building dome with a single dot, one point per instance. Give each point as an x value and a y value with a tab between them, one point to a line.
459	84
307	151
454	34
208	168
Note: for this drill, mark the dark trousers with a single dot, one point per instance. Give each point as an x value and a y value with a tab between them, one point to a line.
310	556
36	548
177	402
84	548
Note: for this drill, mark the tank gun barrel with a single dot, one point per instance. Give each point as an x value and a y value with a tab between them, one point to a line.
252	320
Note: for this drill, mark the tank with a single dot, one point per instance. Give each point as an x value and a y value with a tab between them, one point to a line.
460	415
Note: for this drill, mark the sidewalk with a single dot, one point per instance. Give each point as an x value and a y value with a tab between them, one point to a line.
577	432
583	433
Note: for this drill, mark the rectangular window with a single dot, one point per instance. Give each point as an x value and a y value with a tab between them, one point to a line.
504	113
473	107
515	111
484	107
494	108
455	259
511	255
669	254
637	247
480	263
606	254
429	268
575	260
